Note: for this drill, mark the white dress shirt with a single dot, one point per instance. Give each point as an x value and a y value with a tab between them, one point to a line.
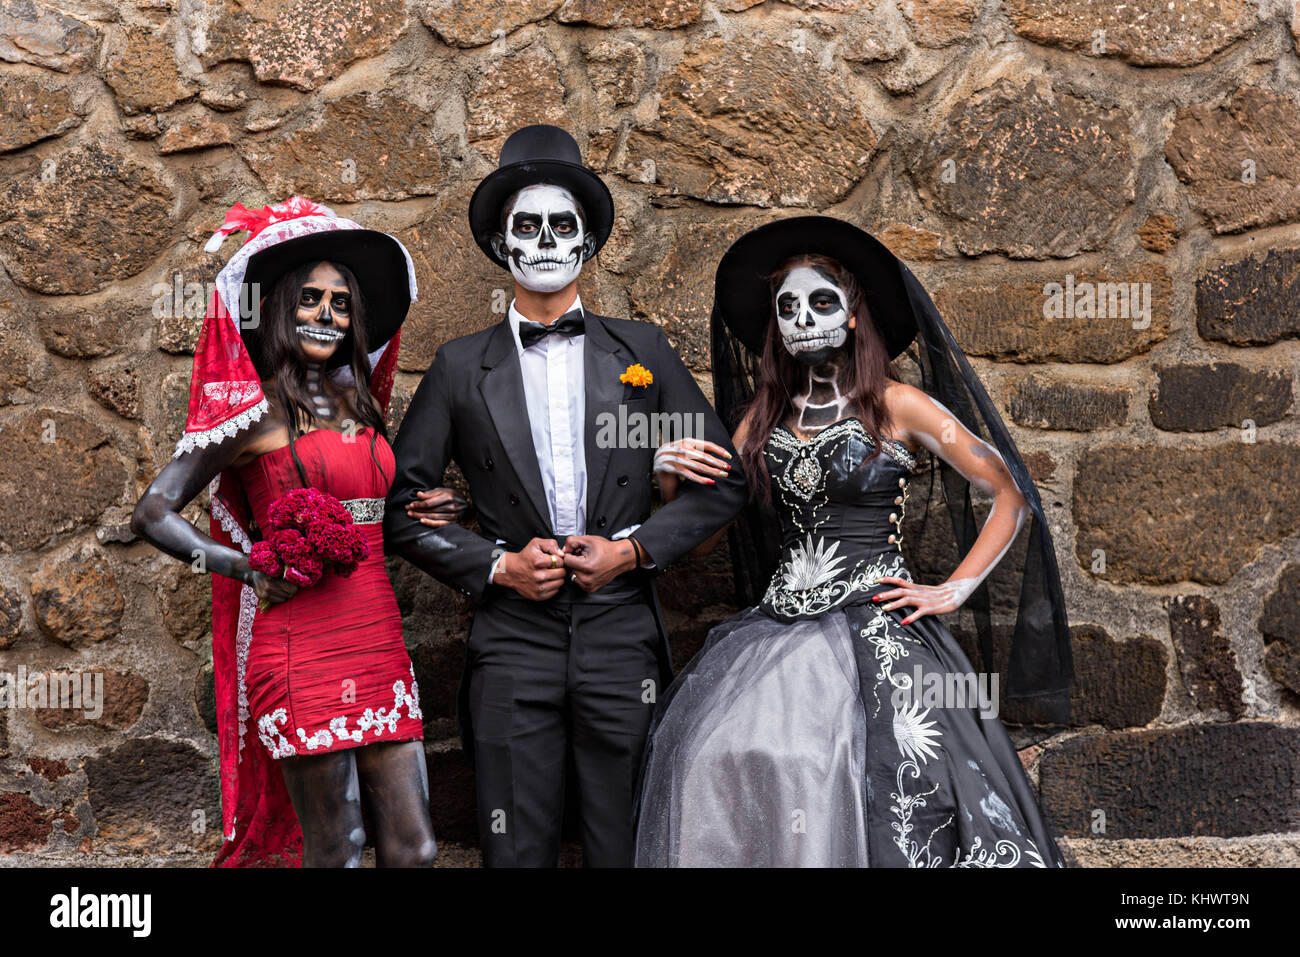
556	395
555	390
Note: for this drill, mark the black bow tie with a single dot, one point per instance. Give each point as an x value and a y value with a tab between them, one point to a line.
568	325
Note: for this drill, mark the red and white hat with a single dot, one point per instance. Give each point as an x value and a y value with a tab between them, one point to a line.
225	389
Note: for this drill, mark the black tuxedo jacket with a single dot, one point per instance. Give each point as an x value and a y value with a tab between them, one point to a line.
470	409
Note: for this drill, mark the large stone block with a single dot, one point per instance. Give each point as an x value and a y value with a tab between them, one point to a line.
1051	403
116	389
140	67
26	825
1250	301
1224	780
151	795
940	23
125	696
76	598
512	91
34	109
297	43
1279	624
93	215
617	70
749	121
659	14
38	34
473	23
361	146
1117	684
1241	160
1163	515
1028	171
1205	656
57	471
1076	316
1202	398
1144	33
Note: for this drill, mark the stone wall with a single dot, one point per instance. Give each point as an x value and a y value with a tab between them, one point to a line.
998	146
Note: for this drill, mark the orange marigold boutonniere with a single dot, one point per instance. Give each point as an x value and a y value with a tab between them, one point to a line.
638	375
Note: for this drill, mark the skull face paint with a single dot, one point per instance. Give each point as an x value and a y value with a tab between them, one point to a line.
544	242
812	314
324	312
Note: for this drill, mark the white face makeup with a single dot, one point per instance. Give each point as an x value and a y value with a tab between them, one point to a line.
544	242
812	314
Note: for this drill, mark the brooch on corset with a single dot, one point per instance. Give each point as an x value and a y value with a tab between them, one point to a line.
803	473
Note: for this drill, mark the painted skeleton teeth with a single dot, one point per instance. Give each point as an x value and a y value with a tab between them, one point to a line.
321	334
808	342
547	262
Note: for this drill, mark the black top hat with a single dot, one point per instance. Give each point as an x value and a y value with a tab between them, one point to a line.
539	154
375	258
743	294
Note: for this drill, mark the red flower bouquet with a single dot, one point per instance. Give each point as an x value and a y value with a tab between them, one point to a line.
308	532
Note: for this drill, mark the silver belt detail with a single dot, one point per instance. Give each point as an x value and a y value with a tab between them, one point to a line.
365	511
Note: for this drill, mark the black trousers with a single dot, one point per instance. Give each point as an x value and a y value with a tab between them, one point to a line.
544	678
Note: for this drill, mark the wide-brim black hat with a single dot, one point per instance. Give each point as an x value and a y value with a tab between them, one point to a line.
742	291
539	154
376	259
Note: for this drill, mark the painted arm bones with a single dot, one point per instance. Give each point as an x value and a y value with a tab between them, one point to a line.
933	426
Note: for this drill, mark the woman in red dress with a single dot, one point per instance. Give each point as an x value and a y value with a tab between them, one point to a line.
317	700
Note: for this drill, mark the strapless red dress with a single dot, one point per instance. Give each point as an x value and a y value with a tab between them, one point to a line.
328	670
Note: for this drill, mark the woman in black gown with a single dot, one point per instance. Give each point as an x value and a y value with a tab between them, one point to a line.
809	730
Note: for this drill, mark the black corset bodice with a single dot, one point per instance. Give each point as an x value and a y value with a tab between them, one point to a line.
841	509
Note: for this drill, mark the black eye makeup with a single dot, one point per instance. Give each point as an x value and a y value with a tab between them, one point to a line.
824	300
526	224
340	302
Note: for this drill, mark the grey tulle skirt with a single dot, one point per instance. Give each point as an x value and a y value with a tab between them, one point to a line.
799	744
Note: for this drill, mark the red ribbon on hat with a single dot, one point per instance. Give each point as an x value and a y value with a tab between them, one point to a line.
239	217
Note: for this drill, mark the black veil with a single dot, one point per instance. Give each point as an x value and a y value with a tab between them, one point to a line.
1018	611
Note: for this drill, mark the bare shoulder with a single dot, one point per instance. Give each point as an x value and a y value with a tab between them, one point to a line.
742	431
910	410
267	434
901	397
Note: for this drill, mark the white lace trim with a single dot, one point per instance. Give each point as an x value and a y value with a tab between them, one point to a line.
376	721
219	433
247	609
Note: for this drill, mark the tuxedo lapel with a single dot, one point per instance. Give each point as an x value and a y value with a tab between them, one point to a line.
503	394
603	363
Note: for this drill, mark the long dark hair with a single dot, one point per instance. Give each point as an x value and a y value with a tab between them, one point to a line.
780	374
283	358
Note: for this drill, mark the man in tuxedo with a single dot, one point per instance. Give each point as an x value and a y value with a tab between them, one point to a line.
567	652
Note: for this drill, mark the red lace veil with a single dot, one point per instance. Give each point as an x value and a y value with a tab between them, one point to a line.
258	822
